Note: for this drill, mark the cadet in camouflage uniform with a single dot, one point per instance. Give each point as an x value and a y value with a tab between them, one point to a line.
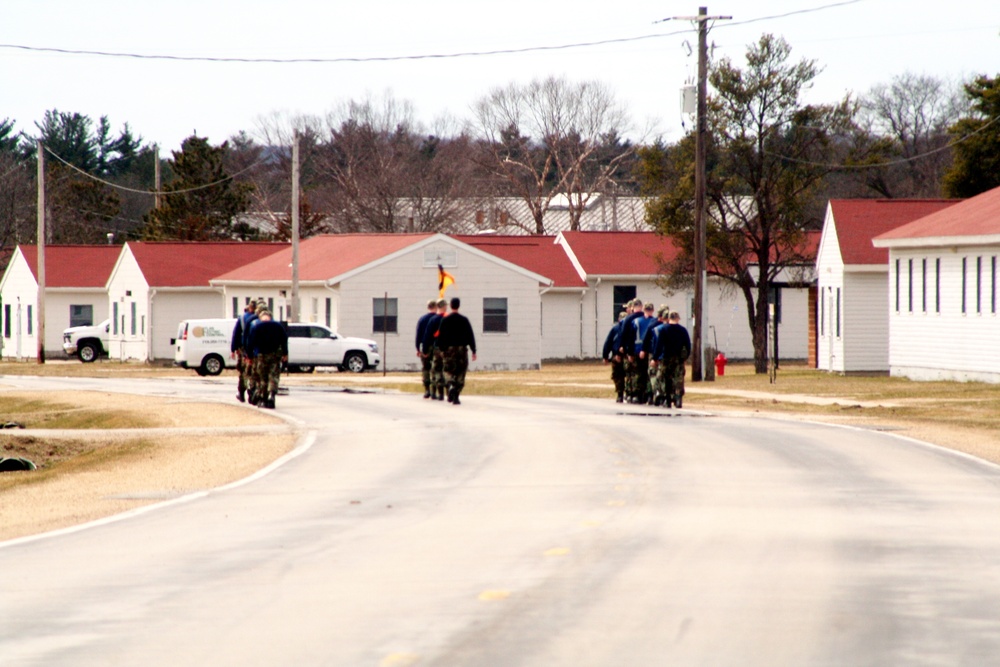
672	349
456	338
612	357
425	360
268	347
437	353
238	350
626	349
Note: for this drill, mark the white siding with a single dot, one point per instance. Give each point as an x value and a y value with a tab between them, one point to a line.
19	290
563	315
865	312
170	308
126	287
950	344
406	279
830	279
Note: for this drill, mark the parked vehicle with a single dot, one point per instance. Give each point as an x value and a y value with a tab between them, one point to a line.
312	345
87	342
204	345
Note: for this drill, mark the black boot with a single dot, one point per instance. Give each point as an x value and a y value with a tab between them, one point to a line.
241	396
678	400
451	393
620	399
427	391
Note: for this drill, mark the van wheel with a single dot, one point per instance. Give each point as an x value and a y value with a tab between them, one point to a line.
355	362
87	353
212	364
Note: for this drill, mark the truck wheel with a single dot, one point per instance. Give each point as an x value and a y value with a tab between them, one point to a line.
212	364
302	368
355	362
88	352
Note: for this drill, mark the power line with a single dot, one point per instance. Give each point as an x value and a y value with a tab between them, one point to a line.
425	56
153	192
890	163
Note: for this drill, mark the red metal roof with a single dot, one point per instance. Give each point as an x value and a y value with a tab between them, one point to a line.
976	216
80	266
321	257
193	264
538	254
858	221
619	253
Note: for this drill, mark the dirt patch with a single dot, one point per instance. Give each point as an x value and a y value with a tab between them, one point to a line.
101	473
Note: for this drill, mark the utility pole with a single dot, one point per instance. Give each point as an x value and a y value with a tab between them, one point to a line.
295	228
40	245
701	131
156	175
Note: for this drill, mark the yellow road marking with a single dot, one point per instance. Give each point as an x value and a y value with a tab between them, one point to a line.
616	503
557	551
492	595
399	660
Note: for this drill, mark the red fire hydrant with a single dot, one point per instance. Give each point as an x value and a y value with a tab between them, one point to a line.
720	364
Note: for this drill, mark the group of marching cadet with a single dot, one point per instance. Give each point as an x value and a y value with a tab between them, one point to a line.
443	342
647	351
260	347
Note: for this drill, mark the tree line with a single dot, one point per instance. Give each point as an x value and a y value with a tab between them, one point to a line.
370	166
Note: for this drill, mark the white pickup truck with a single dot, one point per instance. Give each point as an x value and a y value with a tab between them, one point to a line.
87	342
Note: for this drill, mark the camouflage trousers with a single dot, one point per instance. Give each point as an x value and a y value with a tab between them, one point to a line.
426	361
437	369
618	375
643	385
267	373
456	363
244	366
670	378
631	367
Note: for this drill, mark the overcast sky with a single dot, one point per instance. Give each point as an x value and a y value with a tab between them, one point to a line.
858	44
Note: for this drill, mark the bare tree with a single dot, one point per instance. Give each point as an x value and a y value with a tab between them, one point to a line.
905	123
544	139
386	173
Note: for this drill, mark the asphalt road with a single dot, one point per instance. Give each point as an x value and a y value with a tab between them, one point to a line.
508	532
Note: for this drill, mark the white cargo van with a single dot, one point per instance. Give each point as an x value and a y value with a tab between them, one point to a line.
204	345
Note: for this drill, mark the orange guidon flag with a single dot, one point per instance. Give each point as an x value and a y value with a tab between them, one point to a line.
444	279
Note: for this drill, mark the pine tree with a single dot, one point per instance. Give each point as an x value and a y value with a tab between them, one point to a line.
203	201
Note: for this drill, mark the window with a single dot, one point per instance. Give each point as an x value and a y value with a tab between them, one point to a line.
328	311
822	314
897	285
979	284
937	285
993	284
923	285
384	315
114	317
838	312
236	307
494	315
622	295
909	298
965	280
31	318
81	316
774	298
6	320
134	319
